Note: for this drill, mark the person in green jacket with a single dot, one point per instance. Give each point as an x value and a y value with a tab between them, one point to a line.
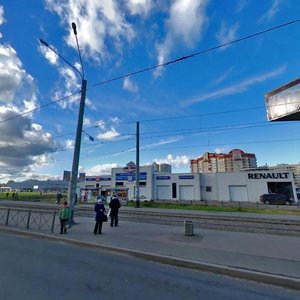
64	216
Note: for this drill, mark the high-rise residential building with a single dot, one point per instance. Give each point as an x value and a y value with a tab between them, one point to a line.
163	168
234	161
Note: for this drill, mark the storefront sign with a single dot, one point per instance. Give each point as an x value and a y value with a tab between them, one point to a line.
98	178
130	176
284	175
186	177
163	177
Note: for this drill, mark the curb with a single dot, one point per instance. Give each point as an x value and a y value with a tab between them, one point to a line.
267	278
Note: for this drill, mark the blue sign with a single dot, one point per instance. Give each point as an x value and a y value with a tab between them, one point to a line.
163	177
97	178
130	176
90	179
186	177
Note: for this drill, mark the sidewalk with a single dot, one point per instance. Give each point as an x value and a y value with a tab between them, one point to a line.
265	258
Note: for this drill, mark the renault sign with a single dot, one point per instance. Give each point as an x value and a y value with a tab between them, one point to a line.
283	104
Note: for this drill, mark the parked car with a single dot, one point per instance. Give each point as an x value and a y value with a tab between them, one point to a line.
274	198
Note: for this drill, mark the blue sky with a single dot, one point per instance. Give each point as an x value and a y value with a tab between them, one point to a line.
211	102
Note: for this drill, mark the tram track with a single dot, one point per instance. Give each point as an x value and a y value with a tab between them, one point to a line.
255	224
231	223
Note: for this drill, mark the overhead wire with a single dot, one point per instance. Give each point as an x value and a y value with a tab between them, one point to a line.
170	62
163	65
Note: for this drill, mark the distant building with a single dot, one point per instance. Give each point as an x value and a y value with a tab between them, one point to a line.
163	168
246	186
234	161
41	185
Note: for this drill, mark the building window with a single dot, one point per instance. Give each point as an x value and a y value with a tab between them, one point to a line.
143	183
118	183
208	189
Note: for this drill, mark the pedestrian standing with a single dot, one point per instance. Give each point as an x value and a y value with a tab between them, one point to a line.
100	216
58	197
64	216
114	206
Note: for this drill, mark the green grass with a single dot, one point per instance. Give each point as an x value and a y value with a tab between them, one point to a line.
31	196
216	208
51	198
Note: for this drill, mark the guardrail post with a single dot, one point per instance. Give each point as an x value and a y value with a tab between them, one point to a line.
53	221
7	217
40	221
28	219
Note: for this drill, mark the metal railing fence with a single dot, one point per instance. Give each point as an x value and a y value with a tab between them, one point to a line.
40	220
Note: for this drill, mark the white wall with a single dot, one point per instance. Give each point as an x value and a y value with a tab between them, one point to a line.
206	186
256	186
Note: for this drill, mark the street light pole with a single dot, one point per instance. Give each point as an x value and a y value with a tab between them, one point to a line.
72	195
76	155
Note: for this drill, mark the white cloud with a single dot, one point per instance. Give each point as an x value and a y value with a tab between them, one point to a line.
272	11
104	169
15	83
24	144
162	142
101	124
235	89
224	76
2	19
241	5
129	85
97	21
69	144
69	79
50	55
185	26
114	120
221	150
139	7
66	97
43	159
227	33
108	135
87	121
177	161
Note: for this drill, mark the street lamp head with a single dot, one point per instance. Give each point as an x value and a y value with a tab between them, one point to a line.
74	28
44	43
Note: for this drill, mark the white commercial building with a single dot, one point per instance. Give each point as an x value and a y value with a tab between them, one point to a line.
158	186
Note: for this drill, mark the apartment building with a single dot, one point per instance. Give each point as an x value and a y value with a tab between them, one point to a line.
234	161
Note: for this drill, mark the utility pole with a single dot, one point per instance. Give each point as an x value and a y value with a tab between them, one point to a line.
76	155
137	184
72	195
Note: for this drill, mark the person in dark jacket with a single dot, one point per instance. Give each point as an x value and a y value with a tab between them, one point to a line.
100	215
114	205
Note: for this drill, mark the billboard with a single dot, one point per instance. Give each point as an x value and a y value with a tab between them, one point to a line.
283	104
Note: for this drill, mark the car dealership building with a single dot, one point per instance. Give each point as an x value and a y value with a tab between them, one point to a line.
159	186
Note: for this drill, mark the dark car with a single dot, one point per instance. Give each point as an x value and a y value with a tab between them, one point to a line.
274	198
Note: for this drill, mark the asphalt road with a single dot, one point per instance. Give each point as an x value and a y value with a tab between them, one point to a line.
39	269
